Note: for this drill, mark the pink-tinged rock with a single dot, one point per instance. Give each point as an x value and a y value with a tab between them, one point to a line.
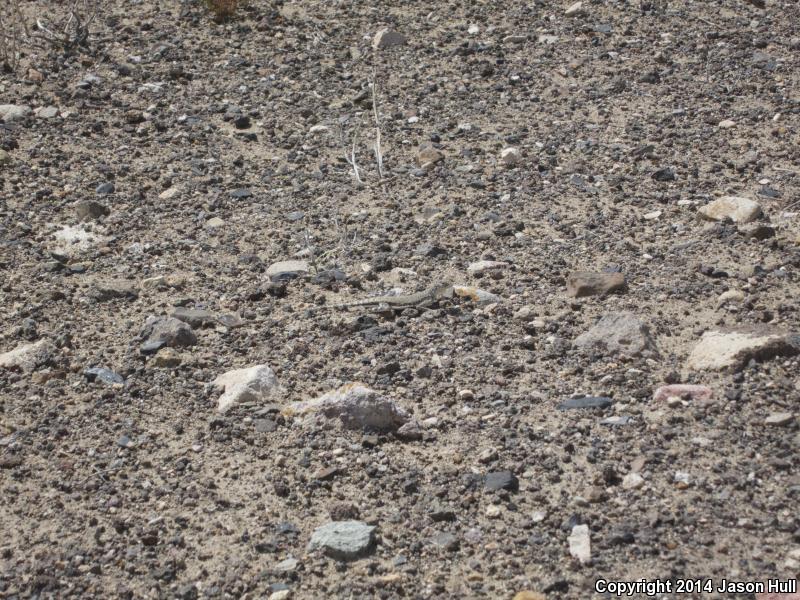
692	392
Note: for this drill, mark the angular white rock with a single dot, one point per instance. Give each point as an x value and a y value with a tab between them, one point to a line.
580	546
575	10
356	406
251	384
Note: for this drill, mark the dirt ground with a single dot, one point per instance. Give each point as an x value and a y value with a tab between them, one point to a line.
174	160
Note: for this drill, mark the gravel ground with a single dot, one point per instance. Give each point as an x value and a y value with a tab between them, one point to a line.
613	190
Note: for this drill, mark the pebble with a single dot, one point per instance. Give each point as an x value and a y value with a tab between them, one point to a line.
586	402
718	350
387	38
779	419
103	375
5	157
575	10
618	333
501	480
252	384
287	269
29	357
13	112
169	193
515	39
632	481
585	283
356	406
482	266
318	129
727	124
168	331
411	431
510	156
343	540
466	395
280	595
738	210
694	392
215	223
579	544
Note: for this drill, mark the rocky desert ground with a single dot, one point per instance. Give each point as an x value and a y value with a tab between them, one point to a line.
606	193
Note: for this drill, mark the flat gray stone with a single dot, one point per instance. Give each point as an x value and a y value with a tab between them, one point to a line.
343	540
287	267
618	333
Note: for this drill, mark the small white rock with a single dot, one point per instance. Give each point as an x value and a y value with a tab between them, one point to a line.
580	546
510	156
482	266
727	124
251	384
632	481
575	10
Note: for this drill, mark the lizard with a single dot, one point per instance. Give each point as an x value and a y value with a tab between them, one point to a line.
421	299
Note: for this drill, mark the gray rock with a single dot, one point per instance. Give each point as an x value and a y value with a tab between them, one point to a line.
29	357
618	333
584	283
343	540
386	38
575	10
356	406
501	480
738	210
586	402
779	419
5	157
13	112
718	350
168	331
252	384
103	375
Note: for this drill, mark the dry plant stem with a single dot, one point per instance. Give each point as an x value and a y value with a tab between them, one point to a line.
350	156
377	145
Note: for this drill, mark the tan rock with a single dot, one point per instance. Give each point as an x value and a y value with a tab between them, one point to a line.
738	210
718	350
584	283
